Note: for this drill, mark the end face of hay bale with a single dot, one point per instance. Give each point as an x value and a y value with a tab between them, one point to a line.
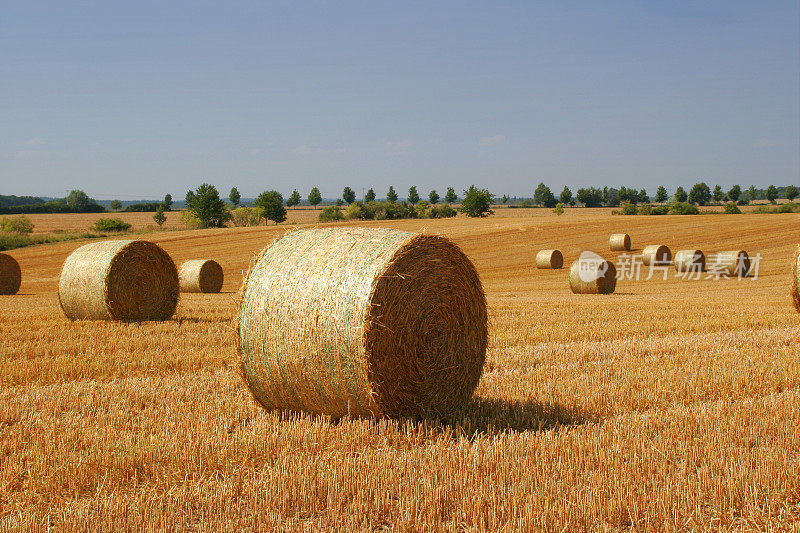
549	259
201	275
796	280
731	263
656	255
620	242
365	322
591	274
10	275
689	261
119	280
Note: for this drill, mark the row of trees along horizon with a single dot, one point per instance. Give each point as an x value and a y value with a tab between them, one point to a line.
207	206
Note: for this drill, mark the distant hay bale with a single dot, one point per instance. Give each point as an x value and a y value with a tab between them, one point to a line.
592	275
620	242
10	275
200	275
731	263
689	261
362	321
796	280
119	280
549	259
656	255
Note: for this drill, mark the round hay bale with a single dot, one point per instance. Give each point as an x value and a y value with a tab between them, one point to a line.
689	261
365	322
10	275
119	280
731	263
620	242
656	255
200	275
591	274
549	259
796	280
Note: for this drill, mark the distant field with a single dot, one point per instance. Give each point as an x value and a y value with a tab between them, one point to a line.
668	405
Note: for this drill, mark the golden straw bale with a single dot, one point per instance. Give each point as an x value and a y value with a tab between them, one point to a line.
591	274
656	255
620	242
10	275
549	259
689	261
731	263
200	275
796	280
362	321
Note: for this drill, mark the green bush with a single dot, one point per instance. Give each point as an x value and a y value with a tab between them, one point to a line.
789	207
247	216
442	211
732	209
330	213
111	224
684	208
660	210
763	210
628	208
191	221
21	225
646	209
361	211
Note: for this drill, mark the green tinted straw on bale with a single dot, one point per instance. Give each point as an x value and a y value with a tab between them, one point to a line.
119	280
365	322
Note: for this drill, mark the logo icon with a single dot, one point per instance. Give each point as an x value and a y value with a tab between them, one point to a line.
591	267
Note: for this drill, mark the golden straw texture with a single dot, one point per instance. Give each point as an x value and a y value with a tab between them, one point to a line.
200	275
620	242
689	261
365	322
795	280
10	275
549	259
656	255
732	263
592	277
119	280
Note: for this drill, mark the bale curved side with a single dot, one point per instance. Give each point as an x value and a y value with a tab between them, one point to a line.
118	280
689	261
10	275
549	259
796	280
365	322
598	277
200	275
656	255
731	263
620	242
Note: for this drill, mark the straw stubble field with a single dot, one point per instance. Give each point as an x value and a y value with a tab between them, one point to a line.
667	405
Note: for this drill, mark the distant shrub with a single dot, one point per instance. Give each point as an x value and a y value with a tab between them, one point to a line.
442	211
360	211
559	209
684	208
660	210
762	209
144	207
646	209
190	221
331	213
788	207
20	225
732	209
628	208
111	224
247	216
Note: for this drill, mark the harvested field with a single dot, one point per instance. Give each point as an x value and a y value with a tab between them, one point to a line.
670	404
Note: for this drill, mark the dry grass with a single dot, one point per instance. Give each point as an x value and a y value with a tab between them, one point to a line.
668	405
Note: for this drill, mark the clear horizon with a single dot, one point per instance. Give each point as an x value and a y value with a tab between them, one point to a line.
136	101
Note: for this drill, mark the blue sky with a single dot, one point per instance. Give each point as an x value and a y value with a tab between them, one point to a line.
134	100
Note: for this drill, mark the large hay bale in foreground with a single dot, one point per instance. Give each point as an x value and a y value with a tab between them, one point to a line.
549	259
656	255
796	280
366	322
689	261
591	274
731	263
119	280
620	242
200	275
10	275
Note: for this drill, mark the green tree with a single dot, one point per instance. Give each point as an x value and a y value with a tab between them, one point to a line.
751	192
559	210
643	198
271	203
680	195
566	196
735	193
369	196
661	194
771	194
116	205
477	202
234	196
413	195
79	202
700	194
205	204
504	199
543	196
294	199
791	192
591	197
433	197
314	197
348	195
718	194
611	197
451	197
160	217
391	196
